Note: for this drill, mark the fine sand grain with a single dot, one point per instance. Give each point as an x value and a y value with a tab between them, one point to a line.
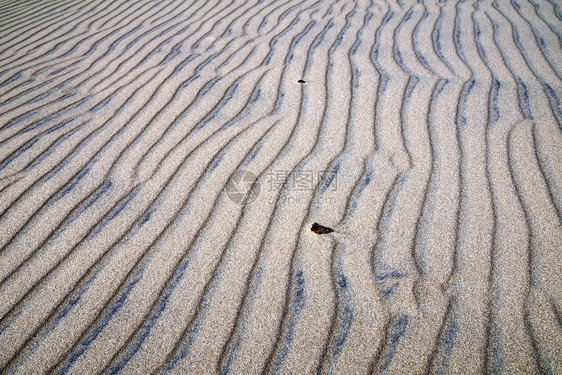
162	163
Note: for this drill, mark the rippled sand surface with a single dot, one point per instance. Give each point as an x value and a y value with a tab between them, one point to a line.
162	163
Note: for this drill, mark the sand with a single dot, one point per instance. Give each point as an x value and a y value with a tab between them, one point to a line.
162	163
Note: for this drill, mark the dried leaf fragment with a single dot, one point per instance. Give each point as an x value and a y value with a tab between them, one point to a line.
319	229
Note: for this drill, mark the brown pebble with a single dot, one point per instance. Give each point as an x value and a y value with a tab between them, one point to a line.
319	229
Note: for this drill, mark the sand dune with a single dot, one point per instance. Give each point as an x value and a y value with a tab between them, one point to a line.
162	162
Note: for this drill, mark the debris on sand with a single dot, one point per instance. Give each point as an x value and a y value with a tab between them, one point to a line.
319	229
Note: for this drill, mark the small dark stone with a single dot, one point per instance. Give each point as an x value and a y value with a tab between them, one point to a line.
301	81
319	229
